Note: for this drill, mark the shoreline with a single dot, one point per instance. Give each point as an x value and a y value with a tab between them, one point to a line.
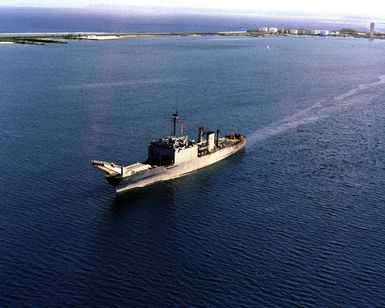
63	37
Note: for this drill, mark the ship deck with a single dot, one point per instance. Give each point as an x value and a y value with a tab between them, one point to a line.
229	142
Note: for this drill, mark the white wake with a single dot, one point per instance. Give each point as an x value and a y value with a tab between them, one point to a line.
320	110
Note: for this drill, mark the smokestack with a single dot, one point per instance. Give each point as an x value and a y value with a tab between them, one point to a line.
217	141
371	31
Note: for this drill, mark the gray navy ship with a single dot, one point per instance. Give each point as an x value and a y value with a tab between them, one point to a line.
171	157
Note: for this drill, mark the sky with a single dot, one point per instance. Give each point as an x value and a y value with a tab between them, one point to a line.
370	8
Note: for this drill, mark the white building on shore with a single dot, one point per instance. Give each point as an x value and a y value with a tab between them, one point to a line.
273	30
293	31
371	30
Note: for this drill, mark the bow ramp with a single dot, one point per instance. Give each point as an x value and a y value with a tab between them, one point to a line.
113	169
109	168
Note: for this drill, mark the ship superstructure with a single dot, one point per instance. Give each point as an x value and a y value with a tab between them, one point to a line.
172	157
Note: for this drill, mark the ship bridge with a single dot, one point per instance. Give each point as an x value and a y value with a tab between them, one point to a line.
168	151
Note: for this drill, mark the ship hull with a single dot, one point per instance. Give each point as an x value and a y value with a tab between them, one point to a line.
163	173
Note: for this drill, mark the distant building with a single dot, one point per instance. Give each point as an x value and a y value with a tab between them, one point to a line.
273	30
324	32
361	34
315	32
264	29
371	31
293	31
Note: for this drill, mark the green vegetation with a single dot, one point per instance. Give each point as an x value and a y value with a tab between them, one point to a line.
262	33
231	33
255	32
32	40
348	31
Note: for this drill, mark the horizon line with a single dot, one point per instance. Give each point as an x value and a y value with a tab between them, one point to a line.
208	11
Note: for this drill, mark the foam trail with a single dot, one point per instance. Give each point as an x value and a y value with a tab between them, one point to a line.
115	84
320	110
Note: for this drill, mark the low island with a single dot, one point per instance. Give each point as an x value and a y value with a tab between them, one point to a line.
63	38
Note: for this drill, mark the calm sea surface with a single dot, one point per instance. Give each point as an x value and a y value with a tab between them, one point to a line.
297	219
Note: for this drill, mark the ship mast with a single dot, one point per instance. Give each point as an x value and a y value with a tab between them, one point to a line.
175	117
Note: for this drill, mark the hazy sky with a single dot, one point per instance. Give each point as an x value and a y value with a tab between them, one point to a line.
371	8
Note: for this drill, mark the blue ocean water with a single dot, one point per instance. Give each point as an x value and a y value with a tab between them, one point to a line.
294	220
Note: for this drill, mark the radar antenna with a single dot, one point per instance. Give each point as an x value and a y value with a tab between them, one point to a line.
175	118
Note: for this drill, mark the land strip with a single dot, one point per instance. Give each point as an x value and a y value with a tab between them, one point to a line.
63	38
